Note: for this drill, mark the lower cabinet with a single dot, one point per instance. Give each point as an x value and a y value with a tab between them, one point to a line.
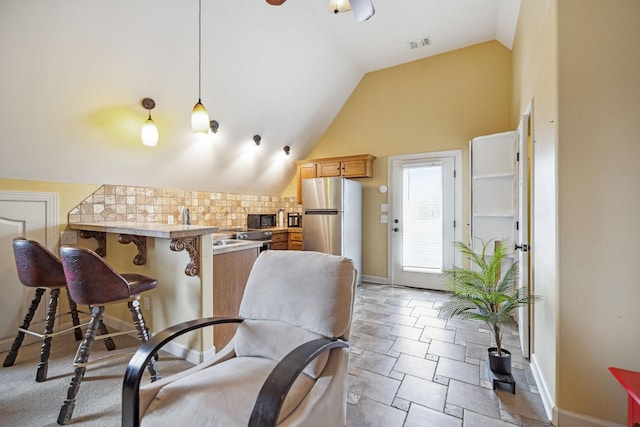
230	273
279	241
295	240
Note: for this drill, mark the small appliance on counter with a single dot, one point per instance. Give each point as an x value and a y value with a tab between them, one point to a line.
294	219
257	221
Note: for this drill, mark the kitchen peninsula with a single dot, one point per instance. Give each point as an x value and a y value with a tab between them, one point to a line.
182	237
115	215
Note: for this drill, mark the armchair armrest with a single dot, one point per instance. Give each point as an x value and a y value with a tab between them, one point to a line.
135	368
274	390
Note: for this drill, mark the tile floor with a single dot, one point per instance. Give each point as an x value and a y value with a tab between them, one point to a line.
409	368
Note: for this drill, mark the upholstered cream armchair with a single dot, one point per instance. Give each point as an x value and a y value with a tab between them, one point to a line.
286	364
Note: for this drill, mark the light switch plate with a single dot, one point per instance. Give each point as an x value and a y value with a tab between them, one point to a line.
384	207
384	219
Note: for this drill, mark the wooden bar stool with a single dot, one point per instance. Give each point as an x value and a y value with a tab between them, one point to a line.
38	268
92	281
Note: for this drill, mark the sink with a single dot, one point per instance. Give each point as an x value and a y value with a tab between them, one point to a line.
224	242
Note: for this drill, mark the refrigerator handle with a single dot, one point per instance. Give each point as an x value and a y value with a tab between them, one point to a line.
321	212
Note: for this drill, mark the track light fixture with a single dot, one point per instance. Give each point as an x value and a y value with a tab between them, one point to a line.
149	131
286	149
257	139
214	125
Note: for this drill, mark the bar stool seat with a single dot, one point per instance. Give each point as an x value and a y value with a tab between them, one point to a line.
38	268
92	281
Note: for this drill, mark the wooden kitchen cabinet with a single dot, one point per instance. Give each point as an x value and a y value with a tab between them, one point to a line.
230	274
358	166
295	240
279	240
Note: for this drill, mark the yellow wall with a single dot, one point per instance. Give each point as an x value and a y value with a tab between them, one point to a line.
434	104
579	61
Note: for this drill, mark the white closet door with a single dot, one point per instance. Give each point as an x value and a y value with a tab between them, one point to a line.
494	191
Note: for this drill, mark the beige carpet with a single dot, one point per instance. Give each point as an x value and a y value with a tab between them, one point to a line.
24	402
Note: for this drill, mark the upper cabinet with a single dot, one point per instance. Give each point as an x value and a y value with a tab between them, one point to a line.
359	166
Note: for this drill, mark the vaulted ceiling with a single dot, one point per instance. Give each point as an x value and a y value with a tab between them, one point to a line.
74	72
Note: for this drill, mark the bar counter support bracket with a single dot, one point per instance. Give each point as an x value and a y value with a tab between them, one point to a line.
101	238
141	244
191	245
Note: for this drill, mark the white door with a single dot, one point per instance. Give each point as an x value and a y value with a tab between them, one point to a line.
500	203
424	213
30	215
493	189
522	241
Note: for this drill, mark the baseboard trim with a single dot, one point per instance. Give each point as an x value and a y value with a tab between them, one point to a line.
573	419
562	417
173	348
375	279
547	401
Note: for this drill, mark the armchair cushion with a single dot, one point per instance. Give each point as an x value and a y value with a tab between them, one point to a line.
222	395
304	289
273	339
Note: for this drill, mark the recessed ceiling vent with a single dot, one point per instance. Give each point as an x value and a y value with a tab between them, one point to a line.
419	43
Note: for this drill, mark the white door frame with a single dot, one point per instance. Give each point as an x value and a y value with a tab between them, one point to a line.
47	225
457	155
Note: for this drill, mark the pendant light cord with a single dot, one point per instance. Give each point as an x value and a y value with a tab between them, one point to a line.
199	48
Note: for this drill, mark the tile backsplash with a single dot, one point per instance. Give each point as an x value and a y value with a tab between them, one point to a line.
148	204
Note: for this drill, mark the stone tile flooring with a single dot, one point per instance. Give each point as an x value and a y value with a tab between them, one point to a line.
409	368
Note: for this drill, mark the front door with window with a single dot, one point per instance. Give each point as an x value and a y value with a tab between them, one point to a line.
423	218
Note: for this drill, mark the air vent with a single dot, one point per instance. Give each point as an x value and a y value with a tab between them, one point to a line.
419	43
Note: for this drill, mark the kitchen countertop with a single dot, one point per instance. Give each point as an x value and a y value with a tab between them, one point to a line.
240	245
147	229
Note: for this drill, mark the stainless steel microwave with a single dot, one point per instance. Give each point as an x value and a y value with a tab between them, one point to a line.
255	221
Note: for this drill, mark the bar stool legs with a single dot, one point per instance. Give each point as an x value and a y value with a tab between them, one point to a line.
84	350
47	335
80	361
143	335
13	353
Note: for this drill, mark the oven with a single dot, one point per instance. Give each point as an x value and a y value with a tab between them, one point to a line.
257	236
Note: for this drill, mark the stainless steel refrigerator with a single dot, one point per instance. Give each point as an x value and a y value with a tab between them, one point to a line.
332	221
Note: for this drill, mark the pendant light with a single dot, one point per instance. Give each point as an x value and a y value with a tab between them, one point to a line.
339	6
199	116
149	131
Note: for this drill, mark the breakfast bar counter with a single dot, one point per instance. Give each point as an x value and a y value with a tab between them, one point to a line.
183	237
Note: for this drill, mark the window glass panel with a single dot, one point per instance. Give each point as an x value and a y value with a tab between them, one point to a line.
422	231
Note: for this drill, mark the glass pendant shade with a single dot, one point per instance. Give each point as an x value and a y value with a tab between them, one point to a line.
339	6
149	133
200	119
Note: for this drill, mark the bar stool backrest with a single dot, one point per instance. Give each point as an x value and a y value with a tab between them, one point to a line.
37	267
90	279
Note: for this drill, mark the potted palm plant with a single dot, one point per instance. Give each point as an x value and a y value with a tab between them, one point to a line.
483	293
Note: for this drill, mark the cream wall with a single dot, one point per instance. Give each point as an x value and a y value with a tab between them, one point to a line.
598	203
578	60
434	104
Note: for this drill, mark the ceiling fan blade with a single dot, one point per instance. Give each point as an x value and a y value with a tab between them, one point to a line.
362	9
276	2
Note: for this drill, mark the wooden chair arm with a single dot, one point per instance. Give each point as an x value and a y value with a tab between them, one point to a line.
274	390
138	362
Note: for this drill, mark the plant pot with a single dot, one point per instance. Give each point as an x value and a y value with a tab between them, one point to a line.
499	364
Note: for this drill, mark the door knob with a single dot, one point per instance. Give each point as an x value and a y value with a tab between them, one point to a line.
395	221
524	248
396	229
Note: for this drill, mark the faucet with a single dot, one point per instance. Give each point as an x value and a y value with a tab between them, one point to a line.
186	217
